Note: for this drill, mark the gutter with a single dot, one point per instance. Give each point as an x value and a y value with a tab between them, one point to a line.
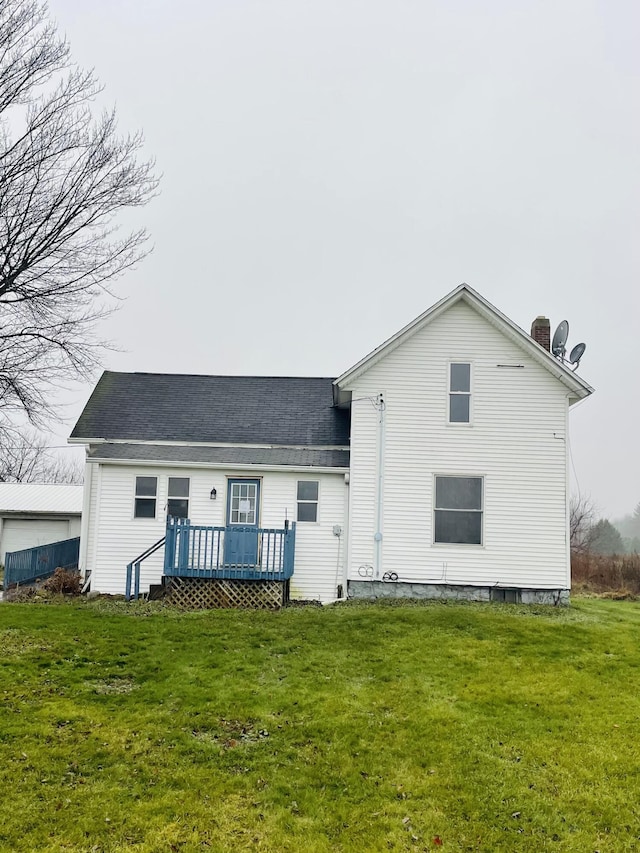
219	466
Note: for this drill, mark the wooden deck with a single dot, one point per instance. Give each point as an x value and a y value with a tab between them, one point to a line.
220	553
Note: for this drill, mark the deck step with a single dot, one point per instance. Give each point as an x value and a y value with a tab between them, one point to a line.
156	592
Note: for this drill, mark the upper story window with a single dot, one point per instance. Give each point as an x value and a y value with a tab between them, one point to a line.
178	497
459	393
308	500
146	496
458	510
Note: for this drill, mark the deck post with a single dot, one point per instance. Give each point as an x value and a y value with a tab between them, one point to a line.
289	550
183	543
127	588
136	582
169	544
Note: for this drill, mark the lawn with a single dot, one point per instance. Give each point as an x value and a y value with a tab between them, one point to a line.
348	728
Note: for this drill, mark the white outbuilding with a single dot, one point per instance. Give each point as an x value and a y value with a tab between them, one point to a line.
33	514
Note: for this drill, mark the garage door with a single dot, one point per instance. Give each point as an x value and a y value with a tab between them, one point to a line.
27	533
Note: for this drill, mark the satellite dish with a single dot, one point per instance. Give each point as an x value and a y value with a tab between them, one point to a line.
559	339
576	354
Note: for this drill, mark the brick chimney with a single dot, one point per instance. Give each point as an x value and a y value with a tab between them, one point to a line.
541	332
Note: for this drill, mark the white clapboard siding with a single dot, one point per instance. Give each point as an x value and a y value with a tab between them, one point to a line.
89	532
517	442
115	537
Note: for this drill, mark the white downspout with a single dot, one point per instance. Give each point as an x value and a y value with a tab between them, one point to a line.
380	406
346	548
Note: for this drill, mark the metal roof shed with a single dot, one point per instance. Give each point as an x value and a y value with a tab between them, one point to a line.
34	514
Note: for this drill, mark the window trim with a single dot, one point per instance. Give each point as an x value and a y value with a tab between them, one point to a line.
171	497
233	480
137	497
451	393
316	502
482	510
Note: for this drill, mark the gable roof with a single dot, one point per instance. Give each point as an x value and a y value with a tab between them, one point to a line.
46	498
464	293
250	410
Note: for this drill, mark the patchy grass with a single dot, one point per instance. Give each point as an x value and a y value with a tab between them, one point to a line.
352	728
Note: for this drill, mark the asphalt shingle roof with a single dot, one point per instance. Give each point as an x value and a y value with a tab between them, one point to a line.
222	455
215	409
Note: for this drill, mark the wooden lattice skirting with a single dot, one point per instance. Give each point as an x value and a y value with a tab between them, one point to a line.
209	594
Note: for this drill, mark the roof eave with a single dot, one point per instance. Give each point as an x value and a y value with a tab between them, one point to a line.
160	442
390	344
492	314
219	466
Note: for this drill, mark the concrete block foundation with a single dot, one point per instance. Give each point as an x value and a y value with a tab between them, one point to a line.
453	592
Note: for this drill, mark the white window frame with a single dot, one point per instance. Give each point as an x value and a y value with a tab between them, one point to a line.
171	497
436	508
137	497
451	393
307	502
254	482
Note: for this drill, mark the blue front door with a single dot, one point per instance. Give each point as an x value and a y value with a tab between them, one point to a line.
241	534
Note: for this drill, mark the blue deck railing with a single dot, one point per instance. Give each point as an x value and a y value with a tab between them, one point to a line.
34	564
223	553
195	550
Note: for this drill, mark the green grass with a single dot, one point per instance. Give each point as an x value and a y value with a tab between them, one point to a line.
352	728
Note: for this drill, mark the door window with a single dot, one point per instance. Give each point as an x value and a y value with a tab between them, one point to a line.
243	505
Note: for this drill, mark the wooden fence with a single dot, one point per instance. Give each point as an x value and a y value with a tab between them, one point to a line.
32	564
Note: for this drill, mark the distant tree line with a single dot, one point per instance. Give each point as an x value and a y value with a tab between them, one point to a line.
599	535
629	529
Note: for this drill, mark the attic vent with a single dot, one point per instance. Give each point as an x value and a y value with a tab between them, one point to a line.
541	332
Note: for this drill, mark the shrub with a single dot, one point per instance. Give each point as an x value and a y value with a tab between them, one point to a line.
605	573
65	581
20	594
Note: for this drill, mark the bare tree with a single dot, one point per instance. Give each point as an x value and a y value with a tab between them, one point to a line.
581	516
26	458
64	178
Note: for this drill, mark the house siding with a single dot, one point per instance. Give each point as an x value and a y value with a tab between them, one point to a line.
516	443
115	537
89	531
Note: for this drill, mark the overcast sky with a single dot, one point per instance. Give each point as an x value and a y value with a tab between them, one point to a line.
331	169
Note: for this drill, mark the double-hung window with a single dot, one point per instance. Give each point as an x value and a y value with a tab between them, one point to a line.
459	393
458	510
307	500
146	496
178	497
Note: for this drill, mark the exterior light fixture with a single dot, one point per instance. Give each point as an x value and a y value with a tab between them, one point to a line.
213	494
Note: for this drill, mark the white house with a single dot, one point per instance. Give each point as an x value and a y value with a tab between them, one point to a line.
437	467
34	514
